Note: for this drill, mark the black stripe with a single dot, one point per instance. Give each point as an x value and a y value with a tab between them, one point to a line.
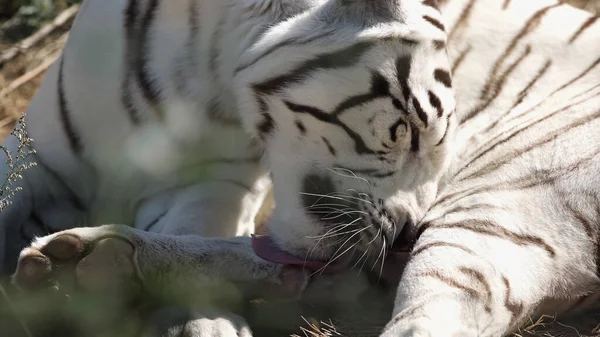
380	87
416	251
359	144
153	223
384	174
403	66
530	25
464	17
590	21
435	22
431	3
420	112
481	279
266	126
565	85
414	138
459	60
548	137
589	227
531	83
443	77
73	137
373	173
215	49
193	20
451	282
494	87
394	129
148	87
301	127
573	80
131	13
436	103
286	43
439	45
329	146
344	58
448	121
186	66
489	228
536	178
515	308
131	50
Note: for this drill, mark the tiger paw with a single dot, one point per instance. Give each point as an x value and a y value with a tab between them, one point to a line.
78	259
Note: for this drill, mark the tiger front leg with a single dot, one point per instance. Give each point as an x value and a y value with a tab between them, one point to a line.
196	270
469	279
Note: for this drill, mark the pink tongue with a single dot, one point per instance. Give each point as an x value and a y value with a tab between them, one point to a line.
264	247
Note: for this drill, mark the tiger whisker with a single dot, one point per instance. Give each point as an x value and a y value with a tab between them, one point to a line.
321	196
337	227
336	255
361	196
325	235
325	205
362	256
351	174
320	270
351	197
366	251
384	256
344	214
335	243
380	253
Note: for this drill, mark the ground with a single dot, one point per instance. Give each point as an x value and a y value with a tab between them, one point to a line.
23	62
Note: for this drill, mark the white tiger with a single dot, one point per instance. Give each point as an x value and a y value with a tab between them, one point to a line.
352	104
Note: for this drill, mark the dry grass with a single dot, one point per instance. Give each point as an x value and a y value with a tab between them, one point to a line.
14	101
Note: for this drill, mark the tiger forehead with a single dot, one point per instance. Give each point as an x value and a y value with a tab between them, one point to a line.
349	56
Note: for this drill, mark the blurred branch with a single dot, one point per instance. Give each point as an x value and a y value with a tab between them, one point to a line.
28	76
63	18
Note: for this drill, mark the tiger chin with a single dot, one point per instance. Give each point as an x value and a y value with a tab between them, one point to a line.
175	119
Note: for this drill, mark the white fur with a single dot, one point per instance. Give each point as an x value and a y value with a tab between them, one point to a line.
164	172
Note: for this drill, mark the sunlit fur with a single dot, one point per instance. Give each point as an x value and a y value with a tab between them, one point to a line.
139	123
169	136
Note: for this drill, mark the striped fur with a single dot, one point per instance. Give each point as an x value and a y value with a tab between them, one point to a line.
514	229
165	113
156	111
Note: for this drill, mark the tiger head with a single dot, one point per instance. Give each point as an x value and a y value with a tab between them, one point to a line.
353	103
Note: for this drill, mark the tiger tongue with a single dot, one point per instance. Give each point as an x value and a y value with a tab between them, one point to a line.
265	248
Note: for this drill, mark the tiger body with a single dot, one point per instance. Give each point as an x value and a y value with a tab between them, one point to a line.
524	178
499	195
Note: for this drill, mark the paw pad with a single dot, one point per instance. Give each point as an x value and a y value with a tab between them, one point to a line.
67	260
64	247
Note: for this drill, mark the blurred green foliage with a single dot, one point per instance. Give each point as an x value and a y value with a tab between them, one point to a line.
20	18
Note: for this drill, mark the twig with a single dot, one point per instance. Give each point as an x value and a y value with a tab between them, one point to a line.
28	76
62	18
